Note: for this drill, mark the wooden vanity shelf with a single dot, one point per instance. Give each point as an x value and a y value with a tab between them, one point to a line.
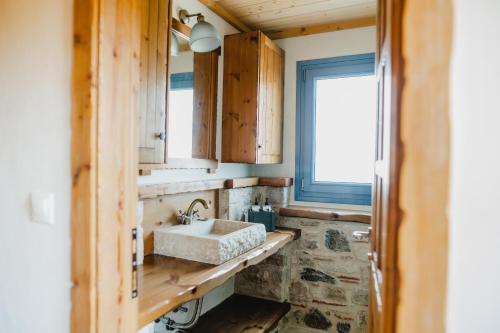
239	314
165	282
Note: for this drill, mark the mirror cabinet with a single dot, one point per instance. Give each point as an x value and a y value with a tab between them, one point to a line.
178	95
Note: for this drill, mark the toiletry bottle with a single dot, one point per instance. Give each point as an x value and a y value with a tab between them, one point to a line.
255	206
267	206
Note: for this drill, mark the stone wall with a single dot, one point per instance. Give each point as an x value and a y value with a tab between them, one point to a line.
233	202
324	275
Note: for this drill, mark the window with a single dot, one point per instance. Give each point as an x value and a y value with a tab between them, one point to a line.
336	118
180	122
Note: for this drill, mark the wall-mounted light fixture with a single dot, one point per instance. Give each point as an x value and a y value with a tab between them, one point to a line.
204	37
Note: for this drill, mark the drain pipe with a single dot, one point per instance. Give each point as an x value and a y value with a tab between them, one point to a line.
171	325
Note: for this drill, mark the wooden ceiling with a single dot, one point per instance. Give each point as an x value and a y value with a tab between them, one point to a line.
294	16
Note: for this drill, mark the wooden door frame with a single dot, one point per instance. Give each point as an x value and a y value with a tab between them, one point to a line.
422	248
103	164
422	48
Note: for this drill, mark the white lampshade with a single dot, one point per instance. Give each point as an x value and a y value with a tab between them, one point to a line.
174	46
204	37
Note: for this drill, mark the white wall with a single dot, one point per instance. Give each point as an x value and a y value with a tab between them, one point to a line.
474	265
35	74
332	44
226	170
182	63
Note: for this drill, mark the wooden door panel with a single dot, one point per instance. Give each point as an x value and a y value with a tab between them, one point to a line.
153	79
205	78
383	282
271	78
239	118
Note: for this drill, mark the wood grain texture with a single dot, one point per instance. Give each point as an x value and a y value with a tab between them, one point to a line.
242	314
252	100
322	28
154	55
152	191
104	159
84	166
165	283
271	100
239	113
162	211
182	30
427	35
323	214
384	282
117	161
155	190
269	15
241	182
205	79
218	9
179	163
275	181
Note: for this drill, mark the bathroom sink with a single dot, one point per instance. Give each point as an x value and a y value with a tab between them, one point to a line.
212	241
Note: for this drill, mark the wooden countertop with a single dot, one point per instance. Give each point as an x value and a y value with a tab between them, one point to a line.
324	214
165	282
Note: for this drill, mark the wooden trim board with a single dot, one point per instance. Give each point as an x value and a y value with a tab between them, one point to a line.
152	191
275	181
323	214
241	182
321	28
422	244
178	163
181	29
165	282
83	167
106	40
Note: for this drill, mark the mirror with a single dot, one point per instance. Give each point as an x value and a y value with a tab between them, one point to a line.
180	105
192	103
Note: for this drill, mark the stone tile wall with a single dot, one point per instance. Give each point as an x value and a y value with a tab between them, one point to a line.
324	275
233	202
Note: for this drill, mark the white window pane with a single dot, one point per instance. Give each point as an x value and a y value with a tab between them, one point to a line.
345	129
180	123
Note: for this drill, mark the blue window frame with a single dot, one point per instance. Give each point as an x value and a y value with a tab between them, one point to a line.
308	72
179	81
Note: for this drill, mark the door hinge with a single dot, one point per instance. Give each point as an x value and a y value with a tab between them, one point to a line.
302	184
135	291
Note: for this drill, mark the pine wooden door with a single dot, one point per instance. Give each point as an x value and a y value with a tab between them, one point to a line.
385	214
155	22
270	114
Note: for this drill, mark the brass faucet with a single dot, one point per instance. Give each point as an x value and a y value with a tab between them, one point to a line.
191	214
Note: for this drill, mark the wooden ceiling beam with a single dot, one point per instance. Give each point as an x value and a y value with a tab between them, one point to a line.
321	28
226	15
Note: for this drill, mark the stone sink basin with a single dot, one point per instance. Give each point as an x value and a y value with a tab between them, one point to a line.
212	241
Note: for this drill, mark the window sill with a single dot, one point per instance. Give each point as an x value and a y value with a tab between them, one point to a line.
324	214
